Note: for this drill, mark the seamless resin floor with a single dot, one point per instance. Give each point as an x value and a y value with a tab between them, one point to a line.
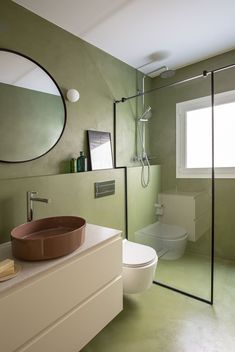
191	273
162	320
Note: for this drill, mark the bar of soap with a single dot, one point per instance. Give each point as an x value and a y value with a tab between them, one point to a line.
7	267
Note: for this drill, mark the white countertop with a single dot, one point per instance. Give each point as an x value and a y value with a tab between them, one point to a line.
94	236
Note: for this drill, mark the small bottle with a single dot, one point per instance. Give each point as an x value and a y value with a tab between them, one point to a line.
73	165
81	163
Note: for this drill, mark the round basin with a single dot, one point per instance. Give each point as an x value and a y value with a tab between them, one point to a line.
48	238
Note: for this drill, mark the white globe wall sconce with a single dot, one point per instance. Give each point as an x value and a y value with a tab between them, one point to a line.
72	95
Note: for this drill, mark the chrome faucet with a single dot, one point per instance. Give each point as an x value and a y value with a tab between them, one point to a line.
30	199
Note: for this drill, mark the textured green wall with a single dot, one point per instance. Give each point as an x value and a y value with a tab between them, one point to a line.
73	63
163	145
128	141
141	209
71	194
100	79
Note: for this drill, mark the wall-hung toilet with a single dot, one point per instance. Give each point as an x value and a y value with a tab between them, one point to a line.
182	216
169	241
139	265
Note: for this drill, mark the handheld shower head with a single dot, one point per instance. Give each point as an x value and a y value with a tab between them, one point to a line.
147	114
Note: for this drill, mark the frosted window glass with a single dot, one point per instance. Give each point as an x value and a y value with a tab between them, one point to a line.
199	137
224	135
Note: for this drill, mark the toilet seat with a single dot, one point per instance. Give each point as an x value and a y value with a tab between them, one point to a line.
137	255
164	231
170	232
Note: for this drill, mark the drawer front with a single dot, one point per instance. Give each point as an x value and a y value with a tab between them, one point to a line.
28	310
76	329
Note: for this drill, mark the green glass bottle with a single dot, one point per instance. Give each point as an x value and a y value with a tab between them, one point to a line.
81	163
73	165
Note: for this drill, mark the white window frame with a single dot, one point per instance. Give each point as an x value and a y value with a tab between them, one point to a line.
181	110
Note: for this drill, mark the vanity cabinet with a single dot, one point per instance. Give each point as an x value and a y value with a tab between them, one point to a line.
190	210
61	308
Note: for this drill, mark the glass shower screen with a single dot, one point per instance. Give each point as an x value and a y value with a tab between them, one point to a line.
173	213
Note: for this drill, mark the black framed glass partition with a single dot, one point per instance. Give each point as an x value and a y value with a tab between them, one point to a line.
224	146
169	173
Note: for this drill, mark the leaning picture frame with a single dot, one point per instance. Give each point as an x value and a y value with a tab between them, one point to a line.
100	150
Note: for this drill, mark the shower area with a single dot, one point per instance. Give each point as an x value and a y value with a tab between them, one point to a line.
175	140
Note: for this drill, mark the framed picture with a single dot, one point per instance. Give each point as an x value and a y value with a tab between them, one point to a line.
100	150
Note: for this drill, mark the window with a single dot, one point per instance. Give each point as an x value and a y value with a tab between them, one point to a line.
194	137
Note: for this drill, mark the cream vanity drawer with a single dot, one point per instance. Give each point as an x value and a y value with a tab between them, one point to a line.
77	328
190	210
28	310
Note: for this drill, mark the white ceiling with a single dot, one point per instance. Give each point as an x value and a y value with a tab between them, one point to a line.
169	32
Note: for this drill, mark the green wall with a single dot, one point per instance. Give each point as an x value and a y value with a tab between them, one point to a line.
100	79
71	194
128	142
163	145
141	209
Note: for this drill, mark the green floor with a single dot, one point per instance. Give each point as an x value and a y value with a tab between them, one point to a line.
162	320
191	273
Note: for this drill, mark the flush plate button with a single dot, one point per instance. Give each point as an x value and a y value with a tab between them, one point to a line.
103	189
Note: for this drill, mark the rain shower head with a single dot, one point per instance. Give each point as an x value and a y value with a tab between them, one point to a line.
167	73
147	114
163	72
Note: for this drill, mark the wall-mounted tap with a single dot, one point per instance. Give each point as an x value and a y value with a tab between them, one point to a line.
30	199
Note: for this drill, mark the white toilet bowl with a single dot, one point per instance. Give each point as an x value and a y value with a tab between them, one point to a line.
139	265
169	241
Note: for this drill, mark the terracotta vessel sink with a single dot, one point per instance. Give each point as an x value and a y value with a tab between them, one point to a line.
48	238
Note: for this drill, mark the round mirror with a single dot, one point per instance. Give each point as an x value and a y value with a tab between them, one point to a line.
32	109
